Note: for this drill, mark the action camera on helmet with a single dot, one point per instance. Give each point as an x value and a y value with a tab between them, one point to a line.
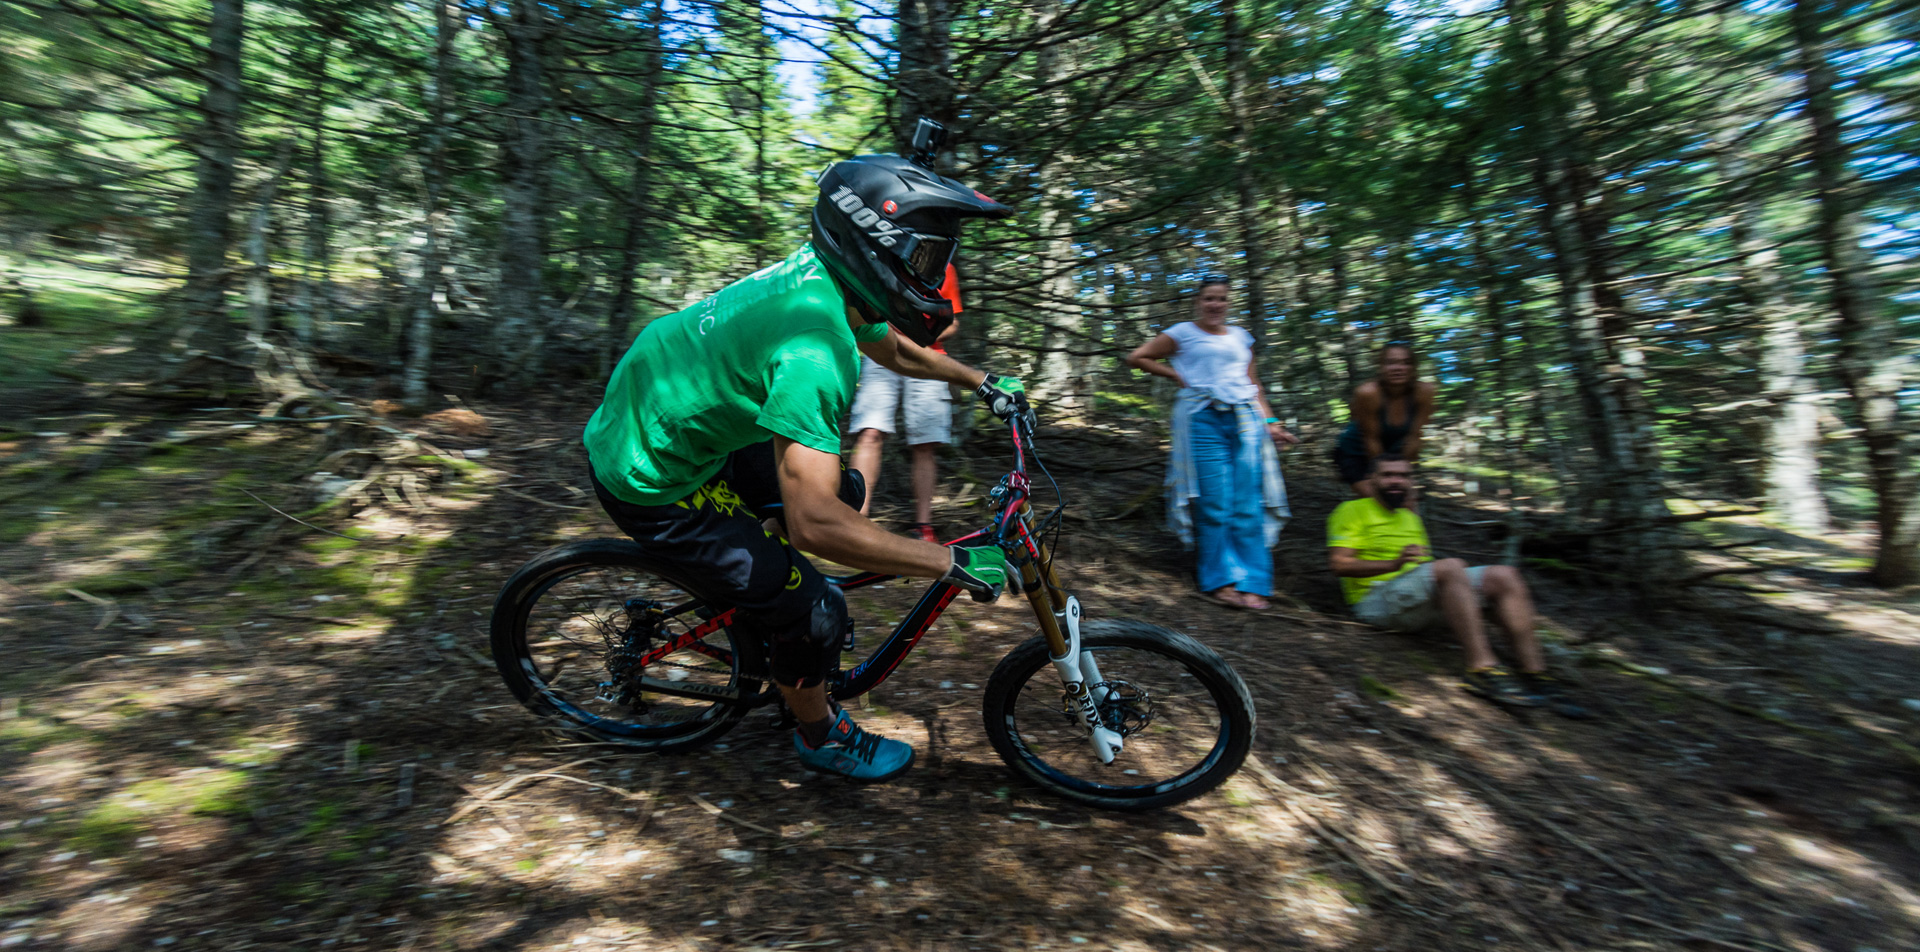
928	137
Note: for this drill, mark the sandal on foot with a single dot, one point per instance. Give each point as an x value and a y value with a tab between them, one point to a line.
1227	598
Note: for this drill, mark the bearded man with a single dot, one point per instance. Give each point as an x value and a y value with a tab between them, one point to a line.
1379	549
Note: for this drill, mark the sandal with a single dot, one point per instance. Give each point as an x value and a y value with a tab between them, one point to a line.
1227	598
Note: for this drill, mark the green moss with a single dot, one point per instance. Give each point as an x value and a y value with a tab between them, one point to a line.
28	734
1134	404
324	817
208	792
108	829
113	825
308	890
1377	689
250	752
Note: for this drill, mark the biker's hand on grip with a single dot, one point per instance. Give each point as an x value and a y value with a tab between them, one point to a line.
1004	396
981	570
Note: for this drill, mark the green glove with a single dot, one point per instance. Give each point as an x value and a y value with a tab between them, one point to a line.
1004	396
981	570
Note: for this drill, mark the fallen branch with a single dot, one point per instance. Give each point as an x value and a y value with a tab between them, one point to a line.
537	499
730	818
303	522
503	789
109	609
1701	576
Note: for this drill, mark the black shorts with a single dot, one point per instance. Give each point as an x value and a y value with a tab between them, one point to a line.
715	544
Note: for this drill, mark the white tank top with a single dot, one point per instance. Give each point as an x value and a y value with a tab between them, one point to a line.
1214	364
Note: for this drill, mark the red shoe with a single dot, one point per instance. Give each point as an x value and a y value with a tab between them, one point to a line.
924	532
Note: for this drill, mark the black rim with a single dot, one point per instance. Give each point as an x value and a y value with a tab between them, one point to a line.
1052	737
586	625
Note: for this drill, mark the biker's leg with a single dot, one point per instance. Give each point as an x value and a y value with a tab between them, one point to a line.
827	739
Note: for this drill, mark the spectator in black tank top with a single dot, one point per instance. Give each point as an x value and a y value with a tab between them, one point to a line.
1387	415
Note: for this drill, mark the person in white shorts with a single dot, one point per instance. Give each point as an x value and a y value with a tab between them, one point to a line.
927	406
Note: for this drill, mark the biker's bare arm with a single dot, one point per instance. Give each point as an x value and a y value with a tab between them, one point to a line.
908	359
819	523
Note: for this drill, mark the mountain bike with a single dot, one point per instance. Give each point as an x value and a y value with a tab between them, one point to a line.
1131	717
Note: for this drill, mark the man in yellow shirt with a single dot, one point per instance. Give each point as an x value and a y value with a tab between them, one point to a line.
1379	550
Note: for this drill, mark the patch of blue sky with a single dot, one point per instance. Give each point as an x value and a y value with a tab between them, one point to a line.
800	32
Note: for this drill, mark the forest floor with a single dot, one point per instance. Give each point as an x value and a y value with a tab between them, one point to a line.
221	728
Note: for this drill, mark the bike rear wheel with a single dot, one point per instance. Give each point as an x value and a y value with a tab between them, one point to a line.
1187	718
568	630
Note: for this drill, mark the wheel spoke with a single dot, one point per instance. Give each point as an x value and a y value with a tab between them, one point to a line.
1184	716
581	636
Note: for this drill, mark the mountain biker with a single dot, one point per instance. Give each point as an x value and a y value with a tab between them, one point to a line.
727	412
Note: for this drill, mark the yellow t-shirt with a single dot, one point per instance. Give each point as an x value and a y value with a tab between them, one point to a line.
1377	534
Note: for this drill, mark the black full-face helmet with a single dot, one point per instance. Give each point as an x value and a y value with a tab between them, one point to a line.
887	228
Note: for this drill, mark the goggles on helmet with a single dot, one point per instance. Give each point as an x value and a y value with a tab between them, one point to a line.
927	258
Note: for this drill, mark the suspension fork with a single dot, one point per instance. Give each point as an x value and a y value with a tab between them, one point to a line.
1058	614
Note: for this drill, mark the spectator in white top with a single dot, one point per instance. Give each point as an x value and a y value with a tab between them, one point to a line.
1224	490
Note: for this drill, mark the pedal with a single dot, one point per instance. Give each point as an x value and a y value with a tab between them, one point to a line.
782	718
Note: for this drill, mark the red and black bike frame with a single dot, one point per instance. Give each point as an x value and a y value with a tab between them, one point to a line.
1012	530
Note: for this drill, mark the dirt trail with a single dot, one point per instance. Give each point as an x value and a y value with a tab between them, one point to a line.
223	729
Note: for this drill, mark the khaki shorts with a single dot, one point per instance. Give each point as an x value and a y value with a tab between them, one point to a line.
925	404
1405	603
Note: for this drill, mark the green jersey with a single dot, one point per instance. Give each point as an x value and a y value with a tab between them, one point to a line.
1376	533
768	355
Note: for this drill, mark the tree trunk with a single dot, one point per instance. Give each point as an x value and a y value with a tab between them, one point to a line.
620	315
210	217
314	304
427	293
924	85
1870	363
1056	379
1791	442
1246	196
520	301
260	275
1607	363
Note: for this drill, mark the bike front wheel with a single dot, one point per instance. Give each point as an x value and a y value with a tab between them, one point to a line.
1186	716
571	627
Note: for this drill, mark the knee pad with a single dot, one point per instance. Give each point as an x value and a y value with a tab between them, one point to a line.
804	653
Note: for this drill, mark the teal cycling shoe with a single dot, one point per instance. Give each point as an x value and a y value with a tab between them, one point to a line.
852	752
